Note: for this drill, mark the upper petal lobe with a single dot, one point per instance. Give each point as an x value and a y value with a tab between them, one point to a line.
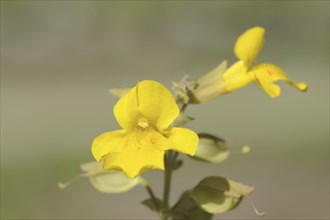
249	44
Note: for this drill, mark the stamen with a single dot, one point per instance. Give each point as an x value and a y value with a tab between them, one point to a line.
143	123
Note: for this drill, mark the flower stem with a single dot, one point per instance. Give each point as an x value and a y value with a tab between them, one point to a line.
167	185
170	162
146	185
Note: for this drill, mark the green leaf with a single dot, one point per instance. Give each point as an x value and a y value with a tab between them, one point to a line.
211	149
150	203
182	120
218	194
187	209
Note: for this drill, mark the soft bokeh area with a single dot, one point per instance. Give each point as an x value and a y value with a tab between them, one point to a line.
59	58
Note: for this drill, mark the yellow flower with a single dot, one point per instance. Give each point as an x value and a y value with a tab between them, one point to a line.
241	73
144	114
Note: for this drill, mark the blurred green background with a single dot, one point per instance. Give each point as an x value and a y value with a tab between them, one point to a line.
58	60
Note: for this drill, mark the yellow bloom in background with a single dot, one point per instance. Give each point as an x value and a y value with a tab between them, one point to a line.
144	114
241	73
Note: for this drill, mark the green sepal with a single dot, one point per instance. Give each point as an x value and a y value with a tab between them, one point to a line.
186	208
211	149
218	194
177	164
150	203
213	75
182	120
109	181
118	93
113	182
104	180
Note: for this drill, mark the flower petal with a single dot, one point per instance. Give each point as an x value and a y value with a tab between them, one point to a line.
266	74
237	77
126	110
268	85
143	150
108	142
183	140
249	44
157	104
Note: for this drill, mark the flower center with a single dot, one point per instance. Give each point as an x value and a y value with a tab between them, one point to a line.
143	123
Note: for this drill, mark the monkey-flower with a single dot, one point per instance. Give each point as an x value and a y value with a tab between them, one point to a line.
241	73
144	114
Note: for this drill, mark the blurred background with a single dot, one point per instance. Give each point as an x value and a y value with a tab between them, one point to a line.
58	60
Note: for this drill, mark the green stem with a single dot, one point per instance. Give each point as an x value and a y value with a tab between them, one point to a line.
183	107
146	185
170	161
167	185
